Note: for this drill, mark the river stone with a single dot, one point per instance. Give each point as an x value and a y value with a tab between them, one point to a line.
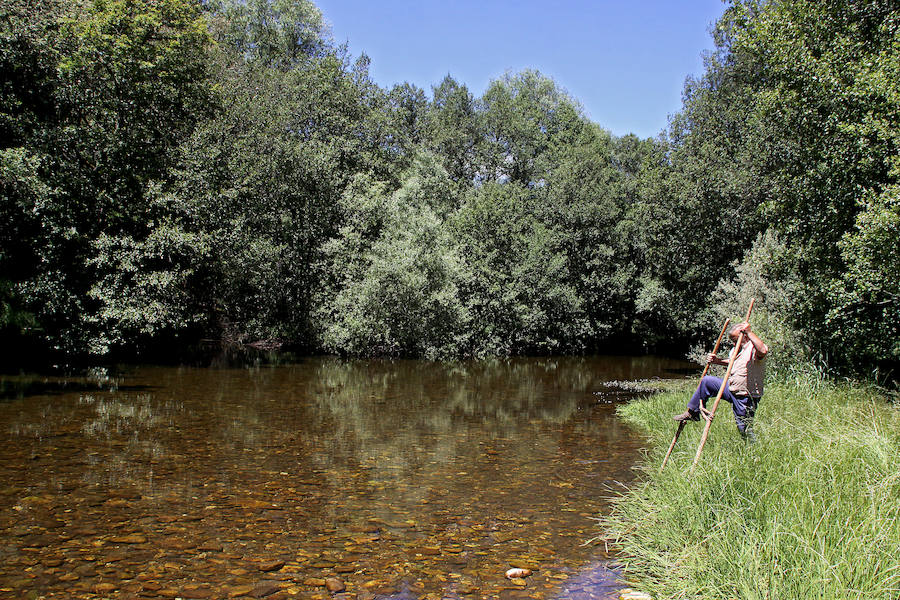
210	547
50	523
124	494
240	590
385	591
254	504
168	518
270	565
129	539
104	588
20	583
35	500
39	541
467	588
515	595
630	594
196	593
117	557
335	585
176	544
265	588
85	570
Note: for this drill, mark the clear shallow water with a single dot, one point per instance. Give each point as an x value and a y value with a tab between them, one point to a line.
327	478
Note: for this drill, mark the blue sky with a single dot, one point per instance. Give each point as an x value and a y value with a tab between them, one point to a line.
625	61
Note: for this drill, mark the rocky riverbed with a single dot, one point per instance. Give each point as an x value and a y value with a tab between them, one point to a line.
325	480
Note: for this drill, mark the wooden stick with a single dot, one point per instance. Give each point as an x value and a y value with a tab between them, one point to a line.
705	371
712	414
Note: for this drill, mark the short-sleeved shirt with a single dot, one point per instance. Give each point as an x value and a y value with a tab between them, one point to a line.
747	373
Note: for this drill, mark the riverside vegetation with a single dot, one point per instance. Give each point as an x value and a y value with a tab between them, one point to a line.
809	510
174	171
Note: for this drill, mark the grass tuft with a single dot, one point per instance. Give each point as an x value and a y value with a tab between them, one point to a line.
810	510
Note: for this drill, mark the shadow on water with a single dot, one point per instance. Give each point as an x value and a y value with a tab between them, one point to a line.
19	387
389	479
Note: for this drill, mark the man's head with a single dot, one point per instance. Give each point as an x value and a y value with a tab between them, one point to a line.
735	331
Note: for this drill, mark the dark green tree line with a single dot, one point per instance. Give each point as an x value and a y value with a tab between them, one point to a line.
173	171
788	131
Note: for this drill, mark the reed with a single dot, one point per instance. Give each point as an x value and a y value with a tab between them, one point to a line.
810	510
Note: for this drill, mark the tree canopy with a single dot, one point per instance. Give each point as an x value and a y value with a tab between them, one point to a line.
176	170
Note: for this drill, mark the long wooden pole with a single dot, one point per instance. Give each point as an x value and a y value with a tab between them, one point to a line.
705	371
712	414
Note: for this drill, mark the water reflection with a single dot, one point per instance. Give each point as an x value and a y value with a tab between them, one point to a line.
358	479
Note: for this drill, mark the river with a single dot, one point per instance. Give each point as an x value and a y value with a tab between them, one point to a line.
322	478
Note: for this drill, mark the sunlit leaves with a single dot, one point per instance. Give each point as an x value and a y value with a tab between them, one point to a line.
278	34
394	270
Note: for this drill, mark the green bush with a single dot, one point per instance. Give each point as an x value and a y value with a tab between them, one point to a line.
393	270
516	285
765	275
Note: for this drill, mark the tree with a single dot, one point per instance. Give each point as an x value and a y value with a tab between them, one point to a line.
254	194
587	197
823	149
515	284
30	43
127	82
787	129
523	115
865	308
453	130
407	106
394	270
275	34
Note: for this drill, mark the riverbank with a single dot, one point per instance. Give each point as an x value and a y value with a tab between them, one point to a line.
810	510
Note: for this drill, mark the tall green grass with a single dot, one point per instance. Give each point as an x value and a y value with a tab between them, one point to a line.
811	510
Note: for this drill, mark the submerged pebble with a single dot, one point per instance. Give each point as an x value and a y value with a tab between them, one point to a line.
517	573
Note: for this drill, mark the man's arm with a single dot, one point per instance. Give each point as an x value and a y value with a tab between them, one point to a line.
758	344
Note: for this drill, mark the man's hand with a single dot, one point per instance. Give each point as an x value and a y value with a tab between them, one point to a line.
714	360
742	328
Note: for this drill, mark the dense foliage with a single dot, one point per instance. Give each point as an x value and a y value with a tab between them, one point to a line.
176	170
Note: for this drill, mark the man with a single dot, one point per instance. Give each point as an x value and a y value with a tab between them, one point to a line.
745	385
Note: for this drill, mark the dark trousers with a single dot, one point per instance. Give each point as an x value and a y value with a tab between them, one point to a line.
744	407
